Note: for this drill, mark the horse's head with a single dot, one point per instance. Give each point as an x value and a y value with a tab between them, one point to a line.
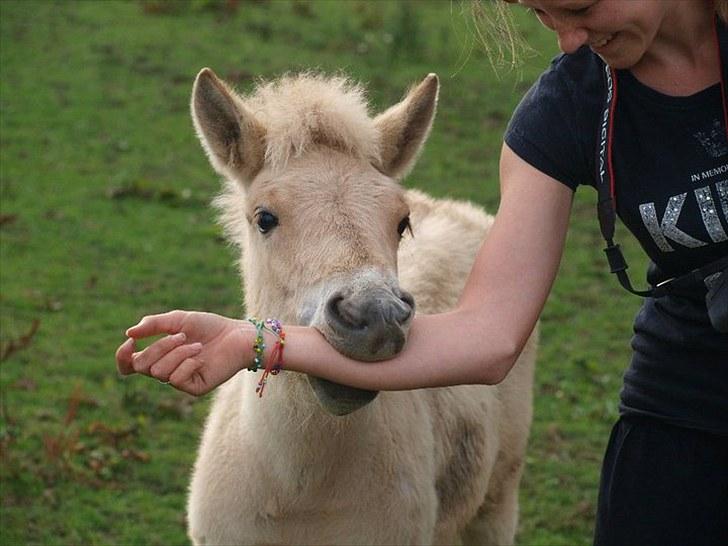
313	199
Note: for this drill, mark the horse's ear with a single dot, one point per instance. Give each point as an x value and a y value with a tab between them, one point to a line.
404	127
233	139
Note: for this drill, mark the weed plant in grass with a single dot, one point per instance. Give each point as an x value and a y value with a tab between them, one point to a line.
104	217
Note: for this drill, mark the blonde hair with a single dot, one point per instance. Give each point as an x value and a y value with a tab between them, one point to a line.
496	32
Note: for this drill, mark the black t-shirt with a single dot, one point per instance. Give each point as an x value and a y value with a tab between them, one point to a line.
670	159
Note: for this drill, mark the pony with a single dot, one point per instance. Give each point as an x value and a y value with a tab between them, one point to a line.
329	238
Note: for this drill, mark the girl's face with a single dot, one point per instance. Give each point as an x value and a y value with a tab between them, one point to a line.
619	31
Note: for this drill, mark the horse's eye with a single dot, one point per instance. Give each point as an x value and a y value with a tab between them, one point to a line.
265	221
403	226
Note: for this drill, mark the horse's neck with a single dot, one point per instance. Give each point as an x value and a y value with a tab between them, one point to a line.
288	415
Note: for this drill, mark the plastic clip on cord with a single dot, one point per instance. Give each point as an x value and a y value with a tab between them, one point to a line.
275	362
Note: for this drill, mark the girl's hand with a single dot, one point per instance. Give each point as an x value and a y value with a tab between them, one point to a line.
200	352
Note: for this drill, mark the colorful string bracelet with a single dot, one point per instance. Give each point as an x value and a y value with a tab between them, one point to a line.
275	362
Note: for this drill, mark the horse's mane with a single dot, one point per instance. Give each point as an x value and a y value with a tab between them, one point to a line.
309	108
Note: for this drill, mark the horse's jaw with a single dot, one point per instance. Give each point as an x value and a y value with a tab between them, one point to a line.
336	399
339	399
368	343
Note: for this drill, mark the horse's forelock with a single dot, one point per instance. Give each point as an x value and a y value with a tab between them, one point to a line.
305	109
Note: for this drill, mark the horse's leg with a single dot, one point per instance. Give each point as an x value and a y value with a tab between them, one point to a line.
497	518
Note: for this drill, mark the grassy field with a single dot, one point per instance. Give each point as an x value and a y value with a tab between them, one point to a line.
105	217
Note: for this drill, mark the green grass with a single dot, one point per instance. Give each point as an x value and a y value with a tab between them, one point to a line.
105	218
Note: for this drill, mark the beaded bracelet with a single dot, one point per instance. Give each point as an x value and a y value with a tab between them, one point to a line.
258	345
275	363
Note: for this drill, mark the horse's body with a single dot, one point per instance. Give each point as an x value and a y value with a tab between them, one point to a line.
416	467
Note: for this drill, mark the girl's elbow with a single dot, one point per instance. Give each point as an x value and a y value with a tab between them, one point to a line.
500	360
509	353
495	370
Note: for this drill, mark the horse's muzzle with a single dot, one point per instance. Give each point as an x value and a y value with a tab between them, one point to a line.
366	321
370	325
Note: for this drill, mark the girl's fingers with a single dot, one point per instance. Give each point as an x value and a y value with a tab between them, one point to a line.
152	325
123	357
143	360
187	377
164	367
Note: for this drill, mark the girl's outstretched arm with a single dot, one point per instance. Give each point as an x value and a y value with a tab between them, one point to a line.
478	342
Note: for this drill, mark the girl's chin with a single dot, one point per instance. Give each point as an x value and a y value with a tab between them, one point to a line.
617	53
620	62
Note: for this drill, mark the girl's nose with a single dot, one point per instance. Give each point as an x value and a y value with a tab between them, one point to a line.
571	38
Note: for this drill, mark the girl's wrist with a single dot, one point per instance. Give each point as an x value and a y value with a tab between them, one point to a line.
262	344
243	339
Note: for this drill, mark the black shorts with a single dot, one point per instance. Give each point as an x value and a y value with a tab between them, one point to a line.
663	485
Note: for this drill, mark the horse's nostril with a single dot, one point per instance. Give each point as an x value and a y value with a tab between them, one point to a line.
332	306
340	311
408	307
405	315
400	312
407	298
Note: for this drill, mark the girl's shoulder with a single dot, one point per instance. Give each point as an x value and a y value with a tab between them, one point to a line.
554	127
577	78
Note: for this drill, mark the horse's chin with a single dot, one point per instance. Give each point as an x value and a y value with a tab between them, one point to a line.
339	399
